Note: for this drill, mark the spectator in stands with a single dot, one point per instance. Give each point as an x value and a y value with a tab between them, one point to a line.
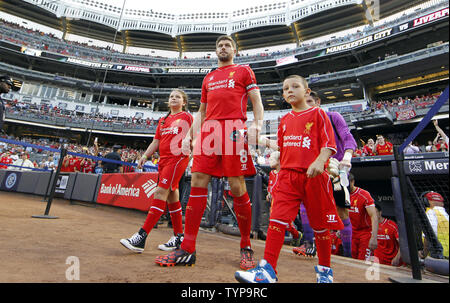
5	159
383	147
412	148
369	148
438	217
440	144
150	166
48	163
74	164
65	164
22	162
128	168
155	158
388	244
87	165
429	146
109	167
358	152
441	132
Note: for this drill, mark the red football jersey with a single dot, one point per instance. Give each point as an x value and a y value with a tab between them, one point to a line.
64	168
357	153
336	243
170	132
88	166
386	149
273	178
5	160
359	200
301	136
74	163
225	89
388	243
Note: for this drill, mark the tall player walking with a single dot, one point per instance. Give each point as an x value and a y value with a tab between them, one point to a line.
170	131
221	150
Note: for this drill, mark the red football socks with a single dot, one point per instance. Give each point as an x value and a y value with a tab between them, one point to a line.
193	217
243	210
274	242
157	208
323	246
176	216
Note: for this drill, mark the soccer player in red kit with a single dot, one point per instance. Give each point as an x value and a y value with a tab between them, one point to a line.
221	149
306	142
170	132
388	249
336	243
364	222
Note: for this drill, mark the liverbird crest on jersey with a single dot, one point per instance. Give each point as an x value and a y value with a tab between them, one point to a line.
308	127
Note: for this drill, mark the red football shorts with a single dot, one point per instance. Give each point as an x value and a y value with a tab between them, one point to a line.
294	187
360	243
221	150
170	172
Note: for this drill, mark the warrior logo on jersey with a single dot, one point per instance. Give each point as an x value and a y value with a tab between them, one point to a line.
308	127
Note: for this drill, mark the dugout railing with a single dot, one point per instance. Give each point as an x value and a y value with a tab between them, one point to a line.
412	221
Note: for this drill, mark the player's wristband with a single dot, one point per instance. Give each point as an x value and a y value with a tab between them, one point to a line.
347	156
144	156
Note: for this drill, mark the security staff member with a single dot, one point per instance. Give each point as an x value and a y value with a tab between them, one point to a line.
109	167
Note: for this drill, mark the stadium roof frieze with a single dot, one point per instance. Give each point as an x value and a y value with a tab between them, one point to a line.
203	66
284	13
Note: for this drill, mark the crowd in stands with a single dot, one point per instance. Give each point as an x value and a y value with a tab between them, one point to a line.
48	112
23	158
39	40
392	105
371	147
382	146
